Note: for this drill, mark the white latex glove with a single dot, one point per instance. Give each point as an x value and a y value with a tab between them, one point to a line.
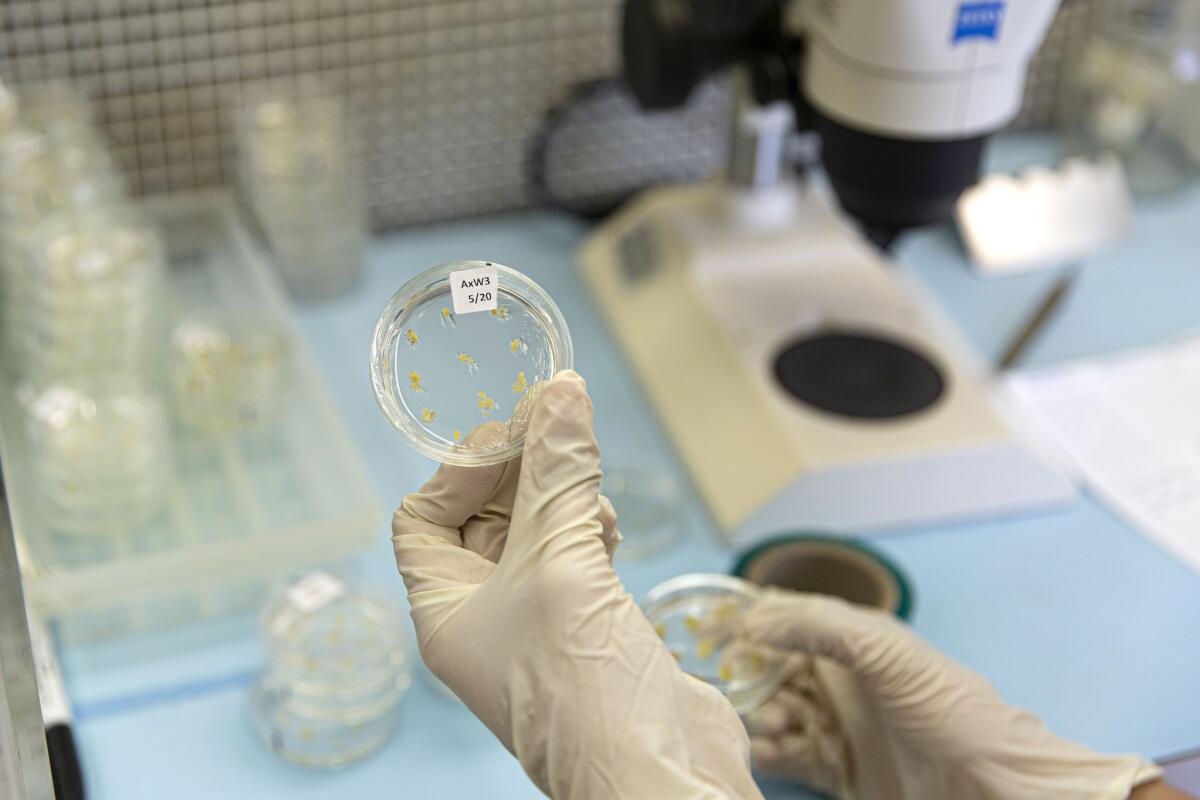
872	711
519	612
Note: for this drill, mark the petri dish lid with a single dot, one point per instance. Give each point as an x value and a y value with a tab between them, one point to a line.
439	376
696	617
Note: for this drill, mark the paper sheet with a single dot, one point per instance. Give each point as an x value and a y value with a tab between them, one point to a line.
1131	424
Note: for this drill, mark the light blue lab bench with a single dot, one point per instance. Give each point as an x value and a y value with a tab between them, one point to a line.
1071	614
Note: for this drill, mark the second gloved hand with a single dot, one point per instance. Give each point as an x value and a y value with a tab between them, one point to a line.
872	711
519	612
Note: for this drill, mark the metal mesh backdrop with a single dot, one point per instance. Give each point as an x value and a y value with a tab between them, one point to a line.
444	94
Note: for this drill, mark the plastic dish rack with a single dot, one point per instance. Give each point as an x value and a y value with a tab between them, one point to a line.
244	508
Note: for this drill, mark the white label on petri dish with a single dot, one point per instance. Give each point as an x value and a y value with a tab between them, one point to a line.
474	290
315	591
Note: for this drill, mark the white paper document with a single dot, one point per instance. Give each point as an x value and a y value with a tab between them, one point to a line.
1130	422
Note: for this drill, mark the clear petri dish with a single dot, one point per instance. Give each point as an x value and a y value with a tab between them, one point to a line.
696	616
438	375
337	668
650	510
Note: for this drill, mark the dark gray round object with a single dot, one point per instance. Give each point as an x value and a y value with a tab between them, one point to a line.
858	375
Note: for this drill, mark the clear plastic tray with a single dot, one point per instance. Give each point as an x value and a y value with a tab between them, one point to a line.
439	375
241	507
696	616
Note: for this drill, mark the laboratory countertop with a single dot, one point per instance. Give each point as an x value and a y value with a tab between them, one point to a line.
1071	614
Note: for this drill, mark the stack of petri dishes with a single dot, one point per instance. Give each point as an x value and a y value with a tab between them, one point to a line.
92	297
82	277
337	669
305	190
55	171
25	198
100	458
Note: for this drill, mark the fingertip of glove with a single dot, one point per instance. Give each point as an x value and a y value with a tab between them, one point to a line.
570	377
561	458
768	719
565	389
563	403
608	514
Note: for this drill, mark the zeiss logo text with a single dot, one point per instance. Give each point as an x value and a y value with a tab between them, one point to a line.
979	20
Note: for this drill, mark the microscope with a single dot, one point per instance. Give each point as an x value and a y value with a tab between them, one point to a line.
805	381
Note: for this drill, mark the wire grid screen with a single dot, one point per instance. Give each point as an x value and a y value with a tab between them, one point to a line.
1047	76
444	95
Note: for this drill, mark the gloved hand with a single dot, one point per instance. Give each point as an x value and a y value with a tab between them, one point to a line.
518	610
872	711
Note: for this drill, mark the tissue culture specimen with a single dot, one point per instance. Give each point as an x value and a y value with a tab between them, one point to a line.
500	312
486	404
412	337
696	637
428	415
522	385
448	320
470	362
744	665
518	346
414	379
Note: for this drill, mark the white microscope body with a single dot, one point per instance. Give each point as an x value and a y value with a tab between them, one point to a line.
924	69
709	289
